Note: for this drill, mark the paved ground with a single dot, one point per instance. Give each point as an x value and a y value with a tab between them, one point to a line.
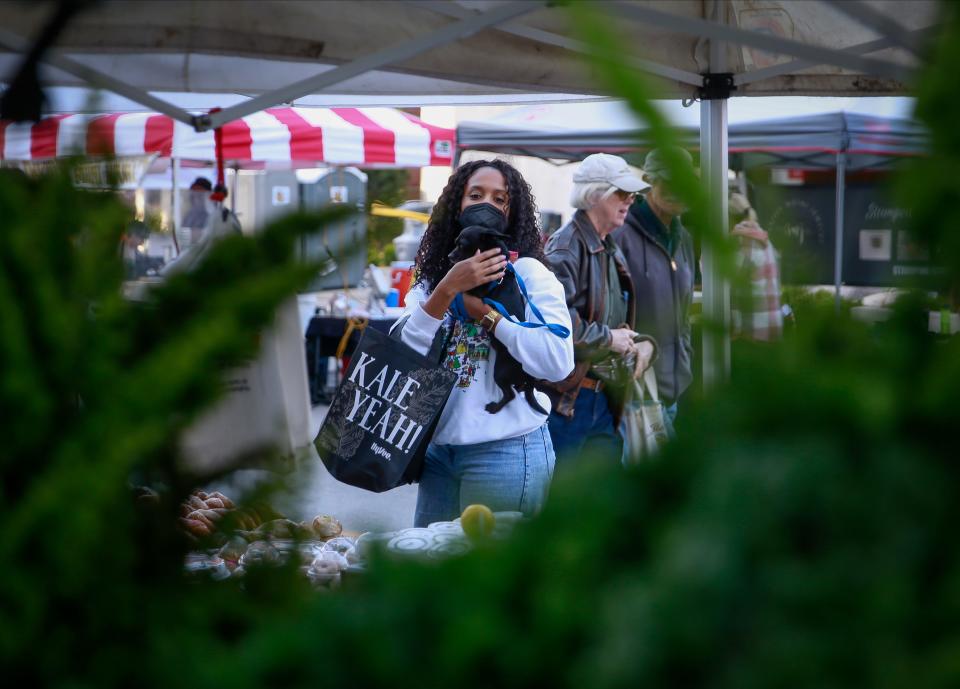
313	491
358	509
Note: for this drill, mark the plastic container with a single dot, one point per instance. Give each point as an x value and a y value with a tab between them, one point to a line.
401	274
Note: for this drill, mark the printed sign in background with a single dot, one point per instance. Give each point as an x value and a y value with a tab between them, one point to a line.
878	250
280	195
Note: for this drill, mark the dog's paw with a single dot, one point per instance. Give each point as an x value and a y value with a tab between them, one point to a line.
494	407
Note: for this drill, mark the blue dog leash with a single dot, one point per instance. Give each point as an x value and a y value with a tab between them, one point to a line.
555	328
459	310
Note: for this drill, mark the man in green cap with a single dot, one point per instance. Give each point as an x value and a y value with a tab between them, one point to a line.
659	253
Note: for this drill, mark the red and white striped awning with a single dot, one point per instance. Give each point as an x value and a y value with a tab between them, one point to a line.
340	136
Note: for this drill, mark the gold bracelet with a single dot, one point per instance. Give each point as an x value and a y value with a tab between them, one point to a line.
490	320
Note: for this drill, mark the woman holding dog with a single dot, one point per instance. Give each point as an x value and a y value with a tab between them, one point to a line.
600	295
503	459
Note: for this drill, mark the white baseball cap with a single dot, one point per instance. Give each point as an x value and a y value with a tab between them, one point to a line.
603	167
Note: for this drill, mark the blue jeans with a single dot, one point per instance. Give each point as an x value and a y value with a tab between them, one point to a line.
589	432
511	475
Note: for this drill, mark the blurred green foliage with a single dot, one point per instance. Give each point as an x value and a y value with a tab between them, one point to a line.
388	187
97	388
796	534
806	302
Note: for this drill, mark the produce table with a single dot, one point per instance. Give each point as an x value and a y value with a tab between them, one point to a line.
232	539
325	562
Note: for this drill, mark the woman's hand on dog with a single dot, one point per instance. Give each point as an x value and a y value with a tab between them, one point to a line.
479	269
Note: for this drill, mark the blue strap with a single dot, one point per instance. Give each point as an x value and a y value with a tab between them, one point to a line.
459	310
559	330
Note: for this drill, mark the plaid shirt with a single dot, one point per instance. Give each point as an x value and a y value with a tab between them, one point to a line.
755	301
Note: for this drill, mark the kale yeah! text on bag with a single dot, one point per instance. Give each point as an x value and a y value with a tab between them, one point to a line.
383	414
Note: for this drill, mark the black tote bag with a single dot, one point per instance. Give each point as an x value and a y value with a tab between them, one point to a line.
384	412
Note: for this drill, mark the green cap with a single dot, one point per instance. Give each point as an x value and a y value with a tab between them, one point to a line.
655	164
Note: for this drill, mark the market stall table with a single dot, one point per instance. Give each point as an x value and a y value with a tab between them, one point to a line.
324	336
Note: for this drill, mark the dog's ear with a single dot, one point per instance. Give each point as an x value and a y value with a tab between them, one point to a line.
467	234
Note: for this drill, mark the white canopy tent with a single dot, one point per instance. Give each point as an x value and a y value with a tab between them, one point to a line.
280	51
462	49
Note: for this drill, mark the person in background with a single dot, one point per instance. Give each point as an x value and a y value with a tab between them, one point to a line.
660	256
134	262
600	297
197	217
755	293
503	460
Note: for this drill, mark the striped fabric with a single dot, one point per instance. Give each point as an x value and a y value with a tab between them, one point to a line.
369	137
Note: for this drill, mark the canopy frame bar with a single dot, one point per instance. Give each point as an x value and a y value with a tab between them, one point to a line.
796	65
548	38
393	54
870	17
723	32
20	45
840	212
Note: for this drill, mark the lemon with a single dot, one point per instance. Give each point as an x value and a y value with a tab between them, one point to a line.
477	522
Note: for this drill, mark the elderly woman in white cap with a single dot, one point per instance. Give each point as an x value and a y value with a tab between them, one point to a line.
600	296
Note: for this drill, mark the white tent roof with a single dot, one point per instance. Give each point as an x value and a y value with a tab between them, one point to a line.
464	49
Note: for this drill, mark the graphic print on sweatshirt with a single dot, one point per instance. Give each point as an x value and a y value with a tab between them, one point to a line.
467	346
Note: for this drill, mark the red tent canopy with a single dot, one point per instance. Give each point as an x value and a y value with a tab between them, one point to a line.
368	137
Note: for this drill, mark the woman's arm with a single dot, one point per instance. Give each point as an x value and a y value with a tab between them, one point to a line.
465	275
541	353
418	327
427	311
591	339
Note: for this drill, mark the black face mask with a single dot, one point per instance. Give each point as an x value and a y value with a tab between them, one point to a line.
484	215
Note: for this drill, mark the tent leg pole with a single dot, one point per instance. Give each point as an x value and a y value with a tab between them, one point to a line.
716	289
233	191
838	227
713	166
175	196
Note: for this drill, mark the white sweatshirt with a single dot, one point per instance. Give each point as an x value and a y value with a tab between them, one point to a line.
542	354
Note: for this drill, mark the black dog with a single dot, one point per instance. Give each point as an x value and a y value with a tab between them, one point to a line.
507	373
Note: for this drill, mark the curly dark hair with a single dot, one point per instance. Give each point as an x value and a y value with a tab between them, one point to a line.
432	262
